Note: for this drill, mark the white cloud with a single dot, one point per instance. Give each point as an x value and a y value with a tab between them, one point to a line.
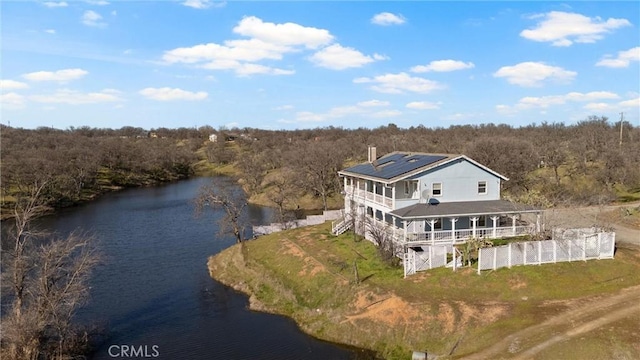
12	101
204	4
632	103
60	75
12	85
623	60
245	69
337	57
443	66
92	18
170	94
372	103
50	31
386	19
233	50
386	113
73	97
598	107
269	41
530	102
54	4
399	83
361	109
287	34
307	116
97	2
532	74
423	105
563	29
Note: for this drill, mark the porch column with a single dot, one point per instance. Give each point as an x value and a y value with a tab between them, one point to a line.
513	224
453	228
405	231
393	196
474	221
432	223
495	221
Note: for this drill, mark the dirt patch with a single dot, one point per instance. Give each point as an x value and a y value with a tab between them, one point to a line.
391	310
516	283
311	266
581	317
447	317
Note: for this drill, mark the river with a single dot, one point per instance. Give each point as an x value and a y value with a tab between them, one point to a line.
153	290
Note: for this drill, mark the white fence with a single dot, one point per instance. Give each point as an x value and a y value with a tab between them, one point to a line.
310	220
430	257
576	245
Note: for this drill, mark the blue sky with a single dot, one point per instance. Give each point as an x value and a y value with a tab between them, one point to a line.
293	65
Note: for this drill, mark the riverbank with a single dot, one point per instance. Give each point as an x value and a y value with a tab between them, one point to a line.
309	275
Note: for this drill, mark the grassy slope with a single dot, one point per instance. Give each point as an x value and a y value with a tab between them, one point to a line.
309	275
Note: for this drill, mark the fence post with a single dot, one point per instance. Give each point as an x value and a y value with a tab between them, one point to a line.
539	252
570	255
599	244
479	259
584	247
524	252
495	257
555	251
509	256
453	250
404	262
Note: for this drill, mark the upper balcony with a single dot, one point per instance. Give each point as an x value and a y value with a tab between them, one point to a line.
361	195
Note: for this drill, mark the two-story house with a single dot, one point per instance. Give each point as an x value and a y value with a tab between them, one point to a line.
431	199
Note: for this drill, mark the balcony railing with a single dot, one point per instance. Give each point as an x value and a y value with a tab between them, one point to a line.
369	196
462	235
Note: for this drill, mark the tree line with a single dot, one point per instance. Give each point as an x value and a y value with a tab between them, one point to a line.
79	163
592	161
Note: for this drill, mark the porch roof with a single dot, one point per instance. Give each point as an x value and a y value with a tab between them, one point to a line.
463	208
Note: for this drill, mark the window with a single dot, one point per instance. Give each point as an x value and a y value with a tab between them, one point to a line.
436	189
482	221
482	187
410	188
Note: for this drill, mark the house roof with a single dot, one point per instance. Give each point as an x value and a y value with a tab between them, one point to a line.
462	208
400	165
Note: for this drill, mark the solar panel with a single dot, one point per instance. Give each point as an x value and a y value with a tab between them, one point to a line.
391	166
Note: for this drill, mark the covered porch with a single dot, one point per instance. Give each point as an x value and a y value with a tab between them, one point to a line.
457	222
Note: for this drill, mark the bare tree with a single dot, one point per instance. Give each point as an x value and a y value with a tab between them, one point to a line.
233	203
46	279
281	194
381	236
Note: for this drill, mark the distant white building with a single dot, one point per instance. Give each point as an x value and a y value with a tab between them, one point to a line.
213	137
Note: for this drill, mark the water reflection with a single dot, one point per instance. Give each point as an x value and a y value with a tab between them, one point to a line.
154	288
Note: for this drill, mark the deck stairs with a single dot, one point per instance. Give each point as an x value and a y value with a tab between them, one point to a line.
340	226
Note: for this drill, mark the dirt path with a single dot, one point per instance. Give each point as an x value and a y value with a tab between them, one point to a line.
578	320
592	215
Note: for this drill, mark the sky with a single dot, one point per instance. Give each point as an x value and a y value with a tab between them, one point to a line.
308	64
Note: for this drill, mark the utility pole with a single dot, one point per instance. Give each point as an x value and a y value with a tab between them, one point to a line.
621	118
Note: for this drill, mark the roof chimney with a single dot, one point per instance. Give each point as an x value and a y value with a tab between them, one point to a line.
371	152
